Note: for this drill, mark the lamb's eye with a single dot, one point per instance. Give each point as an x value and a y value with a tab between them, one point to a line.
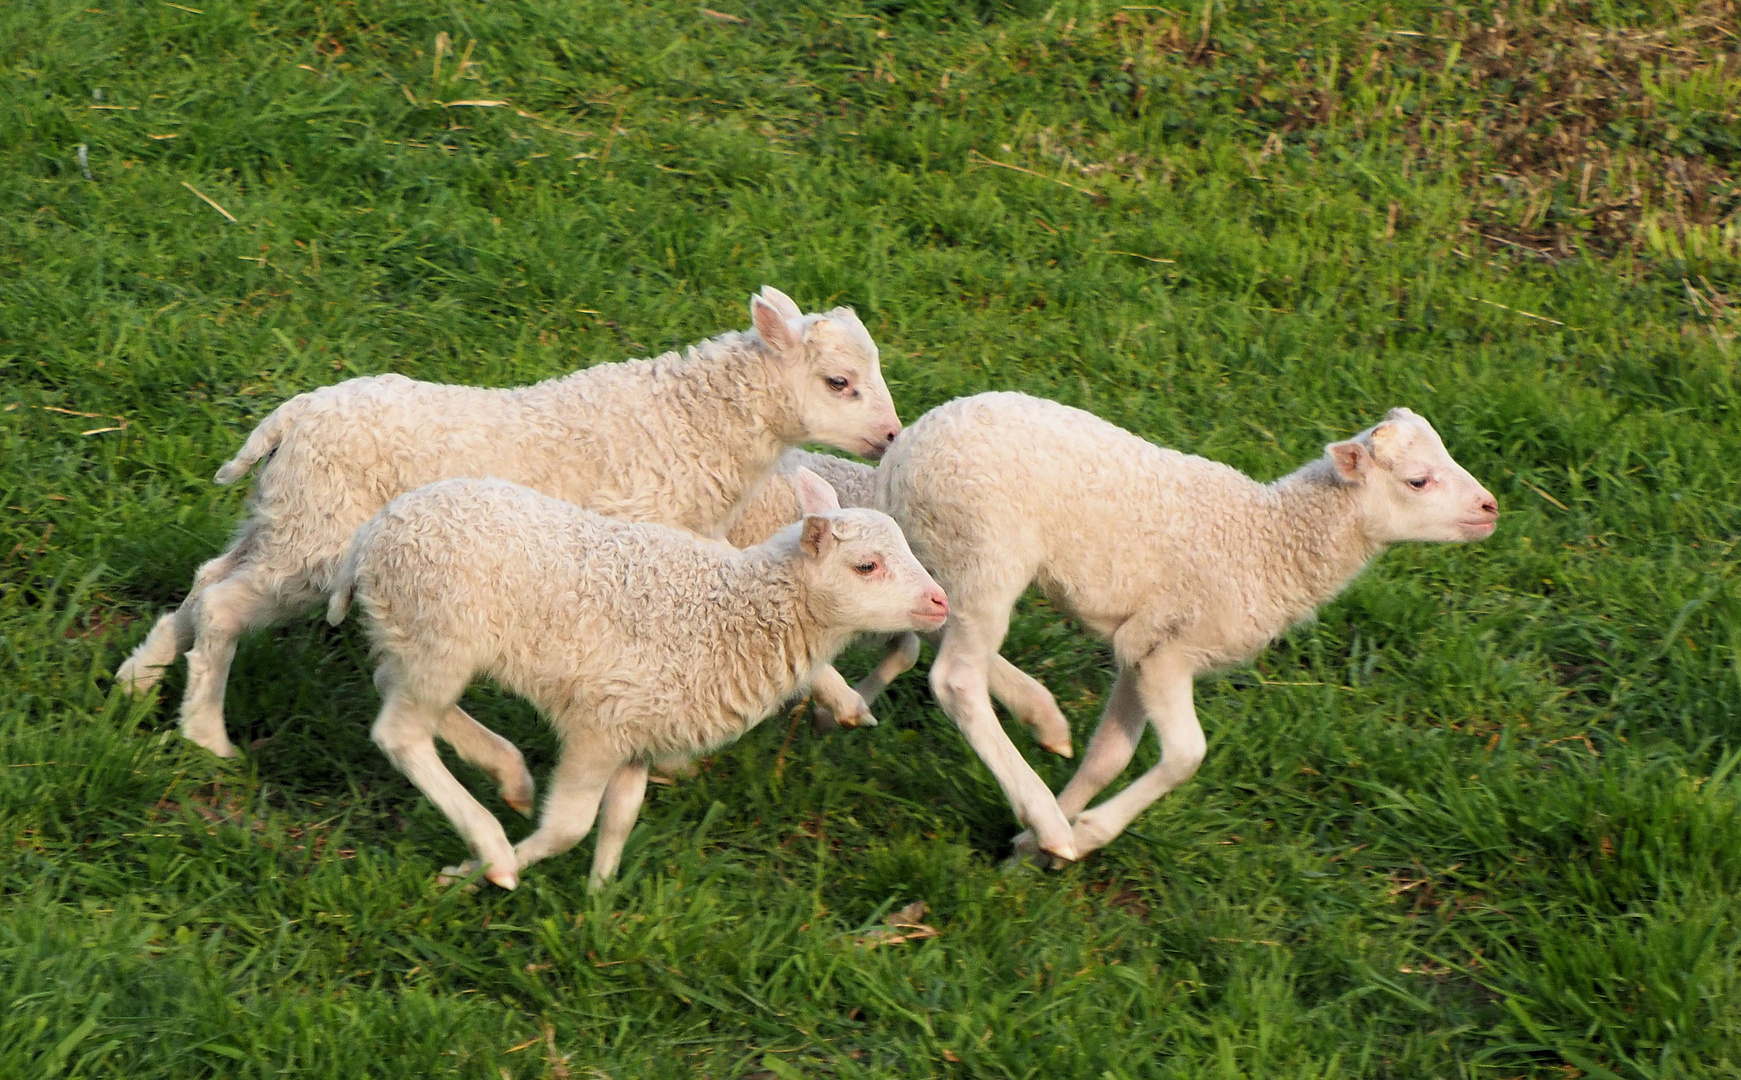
1418	483
836	382
866	568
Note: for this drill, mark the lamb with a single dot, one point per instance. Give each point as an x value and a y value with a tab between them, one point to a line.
634	640
776	506
1188	566
680	441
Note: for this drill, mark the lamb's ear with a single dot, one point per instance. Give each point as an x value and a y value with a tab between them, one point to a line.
1351	458
784	304
815	496
817	537
1399	413
780	333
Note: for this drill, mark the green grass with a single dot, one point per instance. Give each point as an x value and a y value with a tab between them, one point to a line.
1479	820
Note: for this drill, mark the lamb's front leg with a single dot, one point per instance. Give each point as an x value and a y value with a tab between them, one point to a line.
1164	684
622	804
1029	701
834	704
1025	696
958	679
572	801
902	654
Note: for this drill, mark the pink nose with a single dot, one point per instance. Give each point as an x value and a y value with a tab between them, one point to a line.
936	603
1489	505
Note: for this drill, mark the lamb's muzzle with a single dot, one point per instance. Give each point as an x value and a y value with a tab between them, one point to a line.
932	612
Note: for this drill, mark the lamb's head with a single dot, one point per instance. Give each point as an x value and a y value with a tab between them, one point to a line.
1410	487
830	363
861	574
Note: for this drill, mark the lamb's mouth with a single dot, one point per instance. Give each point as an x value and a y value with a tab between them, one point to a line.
1481	528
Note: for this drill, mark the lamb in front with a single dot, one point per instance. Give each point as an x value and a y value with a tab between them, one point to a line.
1185	565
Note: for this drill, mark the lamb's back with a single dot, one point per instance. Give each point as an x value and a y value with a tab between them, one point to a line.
1102	514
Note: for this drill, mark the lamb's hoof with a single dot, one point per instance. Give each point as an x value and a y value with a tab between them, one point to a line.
518	794
218	744
824	721
144	666
1053	732
1061	854
1049	857
453	874
1027	858
136	680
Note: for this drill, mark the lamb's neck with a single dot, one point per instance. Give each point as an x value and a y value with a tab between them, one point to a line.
738	401
1314	542
774	635
725	412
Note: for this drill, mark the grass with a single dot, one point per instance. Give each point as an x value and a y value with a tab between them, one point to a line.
1478	820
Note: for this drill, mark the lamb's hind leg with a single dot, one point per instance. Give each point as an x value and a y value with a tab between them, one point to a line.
172	633
571	802
143	668
223	612
1164	684
490	752
1110	749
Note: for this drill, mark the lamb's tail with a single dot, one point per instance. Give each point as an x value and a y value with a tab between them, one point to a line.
262	441
344	586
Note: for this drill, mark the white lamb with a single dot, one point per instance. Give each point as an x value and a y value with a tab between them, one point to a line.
681	441
1186	565
776	506
635	641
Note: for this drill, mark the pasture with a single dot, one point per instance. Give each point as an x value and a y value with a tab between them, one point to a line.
1481	819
